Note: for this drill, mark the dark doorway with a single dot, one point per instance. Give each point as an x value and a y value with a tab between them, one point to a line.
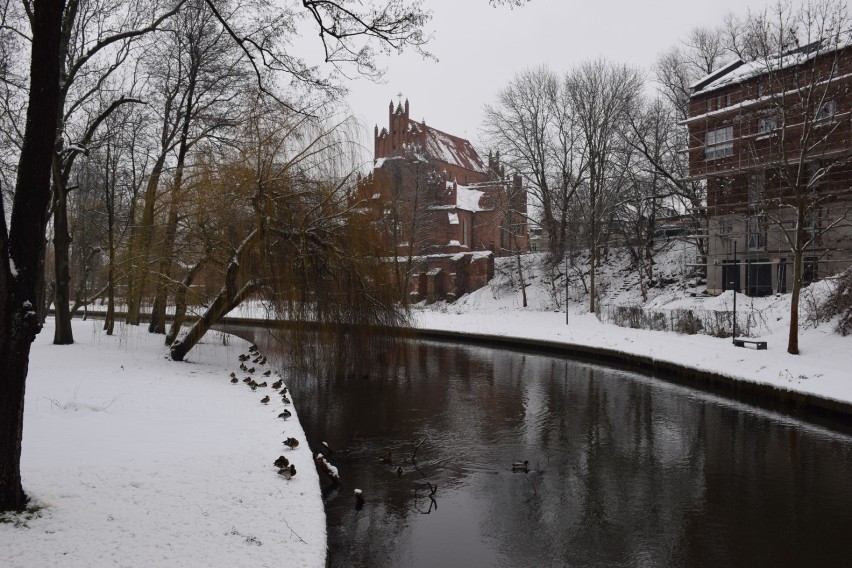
759	278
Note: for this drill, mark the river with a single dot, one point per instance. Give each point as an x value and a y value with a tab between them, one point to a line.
623	469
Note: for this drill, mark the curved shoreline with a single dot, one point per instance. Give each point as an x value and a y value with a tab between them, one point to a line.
673	372
718	383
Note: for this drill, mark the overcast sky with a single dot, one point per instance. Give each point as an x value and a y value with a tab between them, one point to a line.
480	48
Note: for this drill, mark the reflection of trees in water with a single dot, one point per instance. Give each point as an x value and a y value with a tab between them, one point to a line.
624	470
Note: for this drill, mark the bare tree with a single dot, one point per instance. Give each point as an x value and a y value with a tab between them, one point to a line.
534	125
601	93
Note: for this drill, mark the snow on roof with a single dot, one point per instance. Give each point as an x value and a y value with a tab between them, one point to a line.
468	199
448	148
710	78
738	71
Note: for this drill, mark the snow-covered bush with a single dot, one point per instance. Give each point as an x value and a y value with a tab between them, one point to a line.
839	303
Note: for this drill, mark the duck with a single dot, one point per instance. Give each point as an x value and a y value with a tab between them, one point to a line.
399	471
234	380
247	380
287	472
243	367
256	359
267	373
291	443
250	370
243	357
285	415
283	392
263	360
521	466
263	384
285	400
252	348
277	385
233	375
264	400
281	462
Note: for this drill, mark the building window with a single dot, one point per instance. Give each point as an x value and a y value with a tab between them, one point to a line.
756	233
725	225
709	105
756	189
719	143
812	225
825	111
811	270
767	123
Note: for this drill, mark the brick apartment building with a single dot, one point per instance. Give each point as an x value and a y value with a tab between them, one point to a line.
756	130
443	212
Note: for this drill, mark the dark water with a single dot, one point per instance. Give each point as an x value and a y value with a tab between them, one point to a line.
625	470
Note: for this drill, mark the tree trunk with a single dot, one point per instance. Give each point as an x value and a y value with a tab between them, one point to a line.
62	335
158	309
229	298
180	298
798	261
140	247
22	246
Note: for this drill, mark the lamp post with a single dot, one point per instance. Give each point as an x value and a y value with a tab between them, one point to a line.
734	288
566	289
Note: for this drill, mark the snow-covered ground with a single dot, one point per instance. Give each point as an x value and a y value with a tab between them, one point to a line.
823	368
135	460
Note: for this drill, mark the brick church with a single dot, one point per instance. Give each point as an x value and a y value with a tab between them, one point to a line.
443	213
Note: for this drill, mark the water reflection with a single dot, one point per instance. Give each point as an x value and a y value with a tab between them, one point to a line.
624	470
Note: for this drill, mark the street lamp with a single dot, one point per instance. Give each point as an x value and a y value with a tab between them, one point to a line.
734	287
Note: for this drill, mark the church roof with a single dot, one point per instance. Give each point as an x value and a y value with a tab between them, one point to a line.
447	148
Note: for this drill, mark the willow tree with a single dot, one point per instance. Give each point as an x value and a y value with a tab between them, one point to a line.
302	250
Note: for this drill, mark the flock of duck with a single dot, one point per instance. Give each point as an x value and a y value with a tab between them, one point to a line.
285	468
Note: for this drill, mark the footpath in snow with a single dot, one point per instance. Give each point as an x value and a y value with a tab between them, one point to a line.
136	460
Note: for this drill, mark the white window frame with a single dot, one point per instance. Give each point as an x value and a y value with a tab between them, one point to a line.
719	143
767	123
756	227
825	111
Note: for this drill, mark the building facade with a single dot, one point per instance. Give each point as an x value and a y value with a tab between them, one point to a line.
443	213
773	140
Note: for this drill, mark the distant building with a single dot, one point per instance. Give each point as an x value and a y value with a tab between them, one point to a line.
746	122
442	211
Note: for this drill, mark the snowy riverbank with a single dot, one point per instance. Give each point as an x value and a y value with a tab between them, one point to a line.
135	460
824	367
